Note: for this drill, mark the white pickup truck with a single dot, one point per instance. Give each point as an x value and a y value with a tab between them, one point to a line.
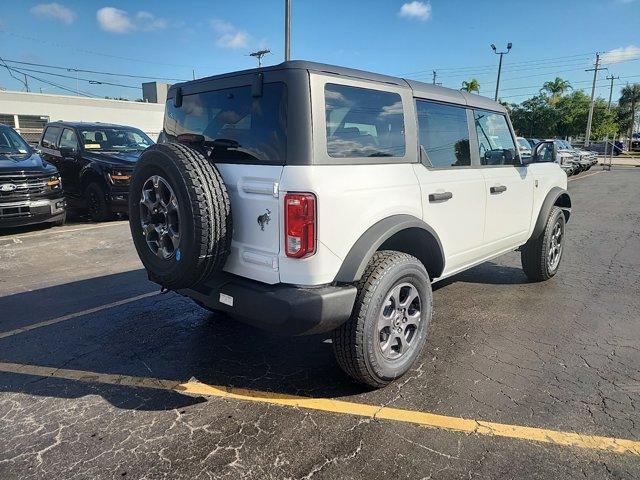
307	198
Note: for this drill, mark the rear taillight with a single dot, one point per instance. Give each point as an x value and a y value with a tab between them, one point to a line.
300	224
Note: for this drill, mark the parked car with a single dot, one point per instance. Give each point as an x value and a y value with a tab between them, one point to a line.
307	198
567	157
524	146
96	161
533	141
30	188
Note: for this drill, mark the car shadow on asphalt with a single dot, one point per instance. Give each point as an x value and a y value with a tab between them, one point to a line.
170	337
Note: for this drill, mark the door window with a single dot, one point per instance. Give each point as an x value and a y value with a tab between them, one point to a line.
443	133
495	143
69	139
51	137
363	123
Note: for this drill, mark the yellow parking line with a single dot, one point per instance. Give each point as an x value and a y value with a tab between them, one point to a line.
71	316
424	419
584	176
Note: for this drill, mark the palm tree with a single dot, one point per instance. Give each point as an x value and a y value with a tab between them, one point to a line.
471	86
556	88
630	97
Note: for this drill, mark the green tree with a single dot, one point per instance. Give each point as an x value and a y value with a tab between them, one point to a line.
629	103
534	117
556	88
471	86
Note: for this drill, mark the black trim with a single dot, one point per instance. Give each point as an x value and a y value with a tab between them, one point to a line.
407	229
549	202
279	308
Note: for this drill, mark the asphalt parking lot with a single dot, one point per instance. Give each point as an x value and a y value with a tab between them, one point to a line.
102	377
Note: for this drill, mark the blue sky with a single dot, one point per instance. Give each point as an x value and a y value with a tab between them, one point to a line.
169	38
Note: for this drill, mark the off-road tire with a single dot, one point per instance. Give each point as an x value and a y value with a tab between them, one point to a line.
204	210
534	254
97	205
356	342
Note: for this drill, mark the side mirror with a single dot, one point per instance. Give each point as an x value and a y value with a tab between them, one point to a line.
67	152
544	152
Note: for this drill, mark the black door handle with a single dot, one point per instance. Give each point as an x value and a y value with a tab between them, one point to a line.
440	197
498	189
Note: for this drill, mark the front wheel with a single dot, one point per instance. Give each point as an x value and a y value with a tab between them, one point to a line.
541	256
388	325
99	209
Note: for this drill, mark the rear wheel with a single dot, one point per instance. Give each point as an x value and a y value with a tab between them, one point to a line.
388	325
541	256
97	205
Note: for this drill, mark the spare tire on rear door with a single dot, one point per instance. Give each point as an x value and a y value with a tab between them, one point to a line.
179	215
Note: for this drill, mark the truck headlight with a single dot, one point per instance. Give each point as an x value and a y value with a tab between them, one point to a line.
118	177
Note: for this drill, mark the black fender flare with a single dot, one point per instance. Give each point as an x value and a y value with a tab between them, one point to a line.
432	255
91	172
556	196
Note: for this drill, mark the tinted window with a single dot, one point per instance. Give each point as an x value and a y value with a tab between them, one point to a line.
443	133
69	139
235	126
11	142
363	122
50	137
114	139
494	139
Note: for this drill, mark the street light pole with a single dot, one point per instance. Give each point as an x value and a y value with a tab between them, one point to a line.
287	30
493	47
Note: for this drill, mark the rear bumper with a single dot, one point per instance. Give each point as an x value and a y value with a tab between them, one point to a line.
30	212
285	309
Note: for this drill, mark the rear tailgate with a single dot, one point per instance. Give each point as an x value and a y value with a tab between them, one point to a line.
256	220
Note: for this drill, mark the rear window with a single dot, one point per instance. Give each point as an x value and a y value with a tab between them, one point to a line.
51	137
363	122
235	126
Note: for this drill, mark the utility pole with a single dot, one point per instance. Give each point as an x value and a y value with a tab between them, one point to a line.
434	77
259	54
593	95
493	47
26	83
612	78
287	30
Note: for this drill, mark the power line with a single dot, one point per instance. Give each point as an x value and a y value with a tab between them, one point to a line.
95	82
57	67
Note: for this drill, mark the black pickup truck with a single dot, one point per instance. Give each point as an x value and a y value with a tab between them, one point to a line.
96	161
30	188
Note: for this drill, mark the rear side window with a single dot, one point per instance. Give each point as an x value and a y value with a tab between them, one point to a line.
235	126
494	138
363	122
50	138
443	132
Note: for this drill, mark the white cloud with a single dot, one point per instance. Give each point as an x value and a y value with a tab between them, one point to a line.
417	10
229	36
115	20
54	11
621	54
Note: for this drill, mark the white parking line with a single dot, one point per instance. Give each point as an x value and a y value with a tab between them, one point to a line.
70	316
584	176
57	231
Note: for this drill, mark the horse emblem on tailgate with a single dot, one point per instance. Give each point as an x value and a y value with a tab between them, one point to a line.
264	219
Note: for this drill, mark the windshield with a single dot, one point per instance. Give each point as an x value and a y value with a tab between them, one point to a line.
523	143
106	139
11	143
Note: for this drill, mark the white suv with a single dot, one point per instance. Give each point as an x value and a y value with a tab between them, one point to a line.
307	198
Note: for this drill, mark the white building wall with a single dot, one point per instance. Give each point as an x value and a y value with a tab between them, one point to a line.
147	117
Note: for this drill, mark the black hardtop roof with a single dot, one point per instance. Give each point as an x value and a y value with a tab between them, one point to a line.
420	89
64	123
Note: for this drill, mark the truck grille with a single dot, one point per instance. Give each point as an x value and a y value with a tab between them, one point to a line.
25	186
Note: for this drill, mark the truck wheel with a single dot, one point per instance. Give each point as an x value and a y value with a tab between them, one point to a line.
541	256
179	215
388	325
97	205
